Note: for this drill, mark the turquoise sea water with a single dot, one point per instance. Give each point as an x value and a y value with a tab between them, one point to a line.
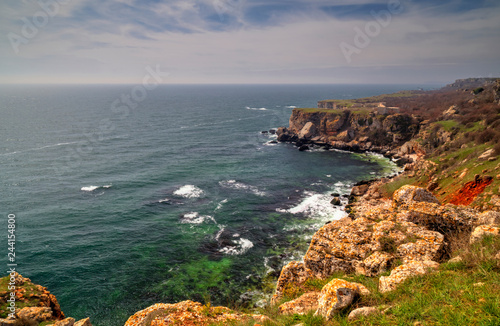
181	197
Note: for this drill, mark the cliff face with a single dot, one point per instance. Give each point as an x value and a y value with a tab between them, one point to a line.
350	129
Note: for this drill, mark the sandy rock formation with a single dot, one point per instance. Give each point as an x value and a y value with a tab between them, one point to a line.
362	312
403	272
293	274
301	305
187	313
335	296
482	231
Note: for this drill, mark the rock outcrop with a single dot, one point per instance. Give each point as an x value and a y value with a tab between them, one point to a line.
363	130
335	296
188	313
403	272
407	237
39	305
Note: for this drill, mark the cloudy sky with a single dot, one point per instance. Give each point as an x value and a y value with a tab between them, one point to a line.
249	41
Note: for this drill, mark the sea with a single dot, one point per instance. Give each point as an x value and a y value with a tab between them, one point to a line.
124	197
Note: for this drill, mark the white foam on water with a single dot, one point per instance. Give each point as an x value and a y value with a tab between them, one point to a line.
195	218
233	184
219	205
317	207
221	229
241	246
189	191
290	107
92	188
256	109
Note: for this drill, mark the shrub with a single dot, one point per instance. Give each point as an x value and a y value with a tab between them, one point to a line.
485	136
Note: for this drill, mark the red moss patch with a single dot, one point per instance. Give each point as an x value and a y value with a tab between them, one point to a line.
470	191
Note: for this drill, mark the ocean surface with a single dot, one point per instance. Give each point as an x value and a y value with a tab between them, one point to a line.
176	195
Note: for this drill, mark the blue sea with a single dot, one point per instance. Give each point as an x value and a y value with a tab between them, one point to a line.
177	195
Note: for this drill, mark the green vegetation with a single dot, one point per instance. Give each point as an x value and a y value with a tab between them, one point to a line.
462	293
313	110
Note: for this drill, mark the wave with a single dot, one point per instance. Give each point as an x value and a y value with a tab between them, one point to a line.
256	109
233	184
196	218
189	191
92	188
241	246
220	204
290	107
317	206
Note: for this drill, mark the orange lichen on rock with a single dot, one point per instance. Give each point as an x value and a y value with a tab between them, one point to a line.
470	190
187	313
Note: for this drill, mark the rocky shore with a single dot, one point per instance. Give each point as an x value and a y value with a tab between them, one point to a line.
397	228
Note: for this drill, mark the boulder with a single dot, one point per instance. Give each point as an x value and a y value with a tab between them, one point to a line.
65	322
303	148
37	314
335	296
378	262
361	312
403	272
482	231
9	322
188	313
487	154
406	196
293	274
488	217
336	201
308	131
444	219
301	305
83	322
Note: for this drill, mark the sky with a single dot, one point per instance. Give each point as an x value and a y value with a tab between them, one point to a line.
248	41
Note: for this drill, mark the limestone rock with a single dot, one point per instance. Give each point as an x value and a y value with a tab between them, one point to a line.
65	322
376	263
483	230
9	322
401	273
455	260
488	217
37	314
443	219
361	312
335	296
336	245
429	246
294	273
301	305
187	313
406	196
487	154
83	322
308	131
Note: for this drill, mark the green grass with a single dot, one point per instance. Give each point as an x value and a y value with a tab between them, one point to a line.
448	125
316	110
465	293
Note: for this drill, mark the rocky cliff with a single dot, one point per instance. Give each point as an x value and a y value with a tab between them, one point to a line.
355	130
24	303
